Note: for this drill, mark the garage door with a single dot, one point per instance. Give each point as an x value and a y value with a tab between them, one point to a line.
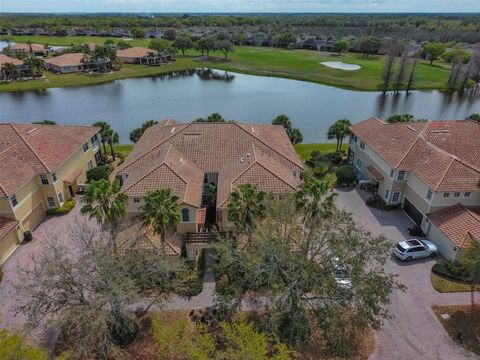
34	217
7	245
412	211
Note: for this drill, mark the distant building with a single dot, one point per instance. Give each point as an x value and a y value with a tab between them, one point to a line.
34	49
141	55
74	62
5	74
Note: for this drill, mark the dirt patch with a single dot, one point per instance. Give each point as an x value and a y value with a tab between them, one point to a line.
462	324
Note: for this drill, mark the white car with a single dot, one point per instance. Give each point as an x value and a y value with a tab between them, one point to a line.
414	249
340	274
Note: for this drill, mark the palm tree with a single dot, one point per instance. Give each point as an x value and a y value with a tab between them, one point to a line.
215	117
112	138
338	131
315	198
29	43
104	132
161	211
246	204
10	70
470	259
35	65
105	203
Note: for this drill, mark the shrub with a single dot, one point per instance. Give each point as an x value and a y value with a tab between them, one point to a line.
98	173
416	230
346	175
66	207
27	236
454	270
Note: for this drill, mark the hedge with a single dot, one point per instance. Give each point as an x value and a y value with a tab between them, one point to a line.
452	270
346	175
98	173
66	207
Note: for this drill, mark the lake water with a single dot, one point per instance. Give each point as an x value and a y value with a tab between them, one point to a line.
126	104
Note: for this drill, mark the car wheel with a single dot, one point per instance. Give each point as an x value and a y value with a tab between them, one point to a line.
408	259
433	254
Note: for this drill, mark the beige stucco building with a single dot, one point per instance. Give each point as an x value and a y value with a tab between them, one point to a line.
41	167
192	158
423	166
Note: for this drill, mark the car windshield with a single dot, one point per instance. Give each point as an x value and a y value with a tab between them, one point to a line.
399	247
424	244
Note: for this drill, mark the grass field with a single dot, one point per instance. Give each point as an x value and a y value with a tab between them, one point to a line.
304	150
293	64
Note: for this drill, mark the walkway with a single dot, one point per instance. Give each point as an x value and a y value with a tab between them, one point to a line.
414	332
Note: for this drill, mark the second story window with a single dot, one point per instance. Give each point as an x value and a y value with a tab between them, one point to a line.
94	139
136	200
392	172
429	194
185	215
54	177
60	197
85	147
456	194
446	194
13	199
401	175
362	145
466	194
44	179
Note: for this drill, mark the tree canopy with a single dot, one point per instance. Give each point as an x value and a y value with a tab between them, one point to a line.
294	134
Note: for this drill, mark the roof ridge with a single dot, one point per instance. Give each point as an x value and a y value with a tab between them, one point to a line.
278	177
444	174
269	146
29	147
154	147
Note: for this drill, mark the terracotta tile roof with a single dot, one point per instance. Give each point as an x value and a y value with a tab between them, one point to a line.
72	59
375	172
26	47
239	153
4	59
72	176
27	150
457	221
167	168
91	46
134	52
6	226
445	155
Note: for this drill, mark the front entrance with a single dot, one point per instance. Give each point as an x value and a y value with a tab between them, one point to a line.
70	190
412	212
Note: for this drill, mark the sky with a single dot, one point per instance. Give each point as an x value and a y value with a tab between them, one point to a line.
223	6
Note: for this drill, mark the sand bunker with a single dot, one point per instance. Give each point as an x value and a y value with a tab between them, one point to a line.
341	65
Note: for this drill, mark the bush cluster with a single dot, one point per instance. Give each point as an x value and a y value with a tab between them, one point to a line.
454	270
66	207
346	175
98	173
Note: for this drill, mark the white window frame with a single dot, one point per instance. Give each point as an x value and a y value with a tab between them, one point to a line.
90	165
446	195
54	177
14	200
429	195
387	194
398	198
85	147
467	194
42	178
61	200
392	173
136	200
456	194
403	174
362	145
50	206
358	163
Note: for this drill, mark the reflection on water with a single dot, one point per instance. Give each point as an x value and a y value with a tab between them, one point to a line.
189	94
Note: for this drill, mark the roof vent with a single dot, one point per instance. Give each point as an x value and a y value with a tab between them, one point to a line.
32	130
181	159
411	128
173	130
241	160
253	130
248	155
445	131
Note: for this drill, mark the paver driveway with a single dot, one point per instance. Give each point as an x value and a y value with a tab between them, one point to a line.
414	332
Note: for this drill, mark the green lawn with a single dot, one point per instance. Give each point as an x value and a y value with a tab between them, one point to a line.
294	64
304	150
123	149
446	285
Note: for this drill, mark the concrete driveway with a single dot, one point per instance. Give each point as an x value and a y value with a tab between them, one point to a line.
414	332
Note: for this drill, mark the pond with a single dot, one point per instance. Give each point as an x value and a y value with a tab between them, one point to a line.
185	96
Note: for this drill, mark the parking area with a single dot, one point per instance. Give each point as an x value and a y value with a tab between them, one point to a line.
414	331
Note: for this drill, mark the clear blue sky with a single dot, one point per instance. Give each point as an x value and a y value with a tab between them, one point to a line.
239	5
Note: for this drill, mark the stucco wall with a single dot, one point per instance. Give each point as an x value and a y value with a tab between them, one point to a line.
8	244
444	245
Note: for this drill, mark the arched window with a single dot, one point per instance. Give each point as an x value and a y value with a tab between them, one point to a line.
185	215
